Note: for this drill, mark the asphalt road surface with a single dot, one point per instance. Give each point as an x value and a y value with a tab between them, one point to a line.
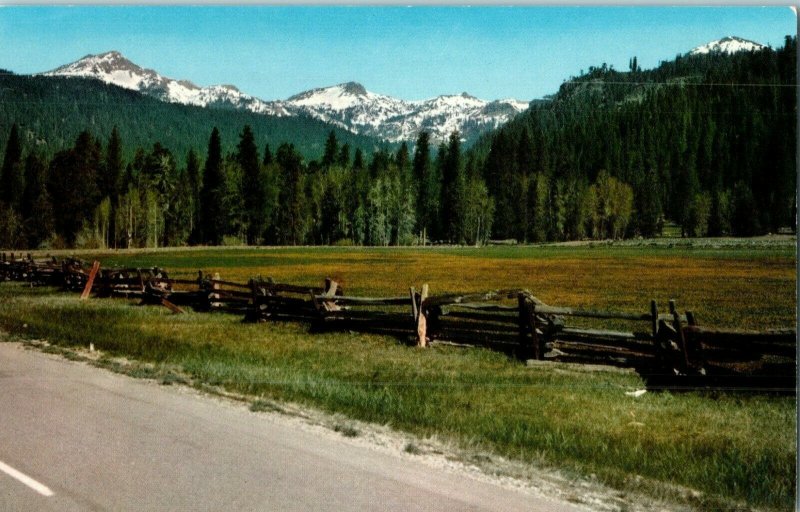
74	437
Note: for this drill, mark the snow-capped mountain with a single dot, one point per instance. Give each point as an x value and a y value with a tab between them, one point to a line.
352	107
113	68
731	44
348	105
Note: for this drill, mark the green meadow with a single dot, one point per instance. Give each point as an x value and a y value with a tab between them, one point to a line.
701	449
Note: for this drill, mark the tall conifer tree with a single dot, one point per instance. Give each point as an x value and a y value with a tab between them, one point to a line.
11	180
37	208
331	150
451	188
212	216
292	213
253	186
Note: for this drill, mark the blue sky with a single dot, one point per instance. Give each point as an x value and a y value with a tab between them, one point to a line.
408	52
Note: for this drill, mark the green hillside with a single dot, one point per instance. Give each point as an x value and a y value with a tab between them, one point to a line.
705	141
52	111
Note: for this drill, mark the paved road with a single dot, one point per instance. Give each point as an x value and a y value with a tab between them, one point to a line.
101	441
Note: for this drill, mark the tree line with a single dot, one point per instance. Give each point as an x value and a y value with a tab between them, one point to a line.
88	196
707	142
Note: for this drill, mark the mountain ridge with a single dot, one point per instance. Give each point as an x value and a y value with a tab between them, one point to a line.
729	45
348	105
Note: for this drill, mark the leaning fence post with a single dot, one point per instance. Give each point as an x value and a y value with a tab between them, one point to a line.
90	281
414	310
676	323
422	320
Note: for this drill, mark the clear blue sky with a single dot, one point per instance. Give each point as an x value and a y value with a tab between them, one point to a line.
407	52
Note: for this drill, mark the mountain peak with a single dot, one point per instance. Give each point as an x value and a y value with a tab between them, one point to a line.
112	54
729	45
353	88
98	65
229	87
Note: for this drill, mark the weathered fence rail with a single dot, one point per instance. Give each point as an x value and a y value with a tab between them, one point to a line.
669	348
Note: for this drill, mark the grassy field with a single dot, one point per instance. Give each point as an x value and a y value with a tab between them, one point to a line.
733	448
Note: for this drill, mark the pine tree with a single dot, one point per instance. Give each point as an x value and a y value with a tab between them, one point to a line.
212	215
112	177
74	205
331	150
11	179
401	159
358	160
252	186
113	166
267	156
37	210
292	219
427	189
499	176
648	205
343	160
452	184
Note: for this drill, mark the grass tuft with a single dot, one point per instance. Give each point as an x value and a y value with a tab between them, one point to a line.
412	448
261	405
346	430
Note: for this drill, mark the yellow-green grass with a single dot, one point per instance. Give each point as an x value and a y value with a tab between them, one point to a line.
743	288
733	448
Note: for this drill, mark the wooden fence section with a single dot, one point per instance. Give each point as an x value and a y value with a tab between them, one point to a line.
669	348
395	316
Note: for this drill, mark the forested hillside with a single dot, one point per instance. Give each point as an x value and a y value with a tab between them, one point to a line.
705	141
50	112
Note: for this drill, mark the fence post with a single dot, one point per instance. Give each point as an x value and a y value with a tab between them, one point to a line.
90	281
654	318
525	326
676	323
422	320
537	343
213	297
414	310
330	291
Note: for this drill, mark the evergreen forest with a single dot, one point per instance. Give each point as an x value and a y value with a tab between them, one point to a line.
703	142
707	142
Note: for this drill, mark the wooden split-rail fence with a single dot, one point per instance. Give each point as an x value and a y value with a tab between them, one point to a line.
670	349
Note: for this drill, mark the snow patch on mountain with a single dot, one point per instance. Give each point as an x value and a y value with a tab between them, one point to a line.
729	45
351	106
348	105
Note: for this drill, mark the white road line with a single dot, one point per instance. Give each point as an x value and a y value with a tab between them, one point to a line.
25	479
